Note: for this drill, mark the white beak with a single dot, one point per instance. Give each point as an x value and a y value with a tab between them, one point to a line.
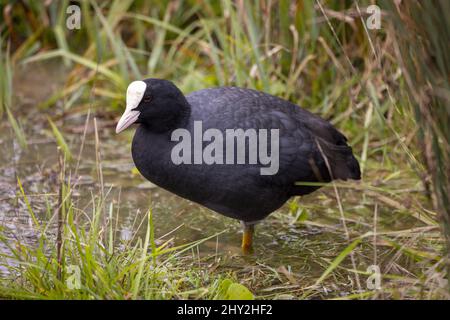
128	118
135	92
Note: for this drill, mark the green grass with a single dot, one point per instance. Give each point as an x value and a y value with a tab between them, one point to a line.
316	54
88	264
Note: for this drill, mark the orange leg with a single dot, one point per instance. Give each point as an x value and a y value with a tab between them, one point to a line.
247	238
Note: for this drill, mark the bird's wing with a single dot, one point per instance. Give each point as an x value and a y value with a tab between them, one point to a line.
236	108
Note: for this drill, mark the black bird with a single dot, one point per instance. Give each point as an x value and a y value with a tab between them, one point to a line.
309	148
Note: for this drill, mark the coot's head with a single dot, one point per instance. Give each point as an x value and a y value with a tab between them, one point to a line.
156	103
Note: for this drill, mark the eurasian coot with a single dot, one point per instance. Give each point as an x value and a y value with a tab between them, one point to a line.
236	151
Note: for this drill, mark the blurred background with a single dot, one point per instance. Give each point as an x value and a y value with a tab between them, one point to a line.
71	199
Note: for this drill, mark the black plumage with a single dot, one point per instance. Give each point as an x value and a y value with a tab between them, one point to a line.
310	148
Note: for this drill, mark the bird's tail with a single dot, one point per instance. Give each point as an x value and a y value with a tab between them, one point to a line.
340	161
353	170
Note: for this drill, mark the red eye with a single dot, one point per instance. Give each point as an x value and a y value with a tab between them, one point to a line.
147	98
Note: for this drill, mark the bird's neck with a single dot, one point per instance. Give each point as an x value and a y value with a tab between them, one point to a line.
177	116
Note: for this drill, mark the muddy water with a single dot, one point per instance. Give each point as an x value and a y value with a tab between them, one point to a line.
277	244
